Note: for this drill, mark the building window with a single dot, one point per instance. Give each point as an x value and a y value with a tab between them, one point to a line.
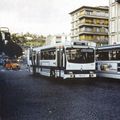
89	12
119	25
113	13
119	10
113	26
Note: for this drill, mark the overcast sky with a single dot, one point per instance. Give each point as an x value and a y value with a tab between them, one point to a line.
41	16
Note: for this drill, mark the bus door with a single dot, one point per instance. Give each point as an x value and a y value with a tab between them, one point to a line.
34	61
60	60
33	57
38	59
63	59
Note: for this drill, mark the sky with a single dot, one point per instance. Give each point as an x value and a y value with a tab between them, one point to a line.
41	16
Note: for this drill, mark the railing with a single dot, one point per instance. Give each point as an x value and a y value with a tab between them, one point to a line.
94	31
95	14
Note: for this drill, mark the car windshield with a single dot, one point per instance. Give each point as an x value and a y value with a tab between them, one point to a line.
80	55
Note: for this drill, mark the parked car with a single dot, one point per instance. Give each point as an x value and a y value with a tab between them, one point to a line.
12	64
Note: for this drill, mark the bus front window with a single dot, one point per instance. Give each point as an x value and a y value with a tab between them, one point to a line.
80	55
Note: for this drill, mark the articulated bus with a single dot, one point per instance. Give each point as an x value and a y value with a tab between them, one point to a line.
68	60
108	61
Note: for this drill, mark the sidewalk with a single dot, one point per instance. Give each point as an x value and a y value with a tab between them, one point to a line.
1	68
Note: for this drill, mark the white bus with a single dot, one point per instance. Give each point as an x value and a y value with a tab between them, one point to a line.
108	61
71	60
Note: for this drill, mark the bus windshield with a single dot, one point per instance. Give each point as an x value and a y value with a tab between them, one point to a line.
80	55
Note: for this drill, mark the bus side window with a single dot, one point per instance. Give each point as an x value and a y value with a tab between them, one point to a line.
118	55
105	56
42	55
113	55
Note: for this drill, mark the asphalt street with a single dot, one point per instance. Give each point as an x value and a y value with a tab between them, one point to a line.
26	97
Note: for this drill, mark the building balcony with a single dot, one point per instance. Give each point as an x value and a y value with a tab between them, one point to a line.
101	41
93	32
93	25
93	22
94	16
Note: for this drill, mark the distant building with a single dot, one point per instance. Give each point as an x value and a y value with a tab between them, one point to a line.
53	39
90	23
114	21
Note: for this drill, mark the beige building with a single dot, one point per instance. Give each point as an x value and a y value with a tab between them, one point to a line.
53	39
114	33
90	23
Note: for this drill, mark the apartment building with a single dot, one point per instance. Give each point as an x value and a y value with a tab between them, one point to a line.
90	23
114	18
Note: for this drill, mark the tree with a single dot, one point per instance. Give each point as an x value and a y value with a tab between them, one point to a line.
28	39
12	49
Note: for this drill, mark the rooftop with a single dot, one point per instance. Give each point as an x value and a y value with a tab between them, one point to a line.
106	8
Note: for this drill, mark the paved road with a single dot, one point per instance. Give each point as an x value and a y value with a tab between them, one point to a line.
24	97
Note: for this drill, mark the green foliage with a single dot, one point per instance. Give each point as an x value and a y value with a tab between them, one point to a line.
28	39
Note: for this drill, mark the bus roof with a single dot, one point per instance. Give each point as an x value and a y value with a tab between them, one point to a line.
108	47
67	44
